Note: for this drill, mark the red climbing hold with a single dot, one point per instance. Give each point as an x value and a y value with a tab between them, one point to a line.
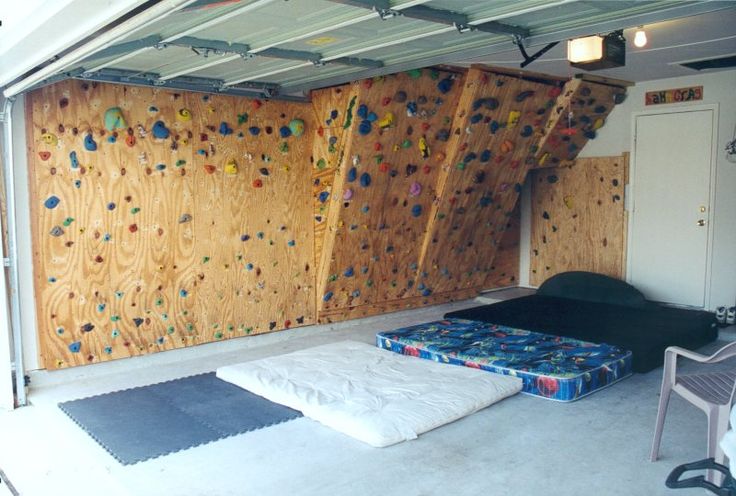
44	155
383	167
554	92
321	131
367	83
377	147
452	200
514	164
257	183
426	169
425	126
133	228
256	104
385	100
99	259
130	140
287	324
210	169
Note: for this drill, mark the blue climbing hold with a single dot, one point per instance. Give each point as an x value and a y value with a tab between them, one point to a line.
476	118
249	266
349	272
160	130
327	296
254	131
445	85
352	174
89	143
291	243
365	179
526	131
494	126
333	114
478	104
356	293
160	167
285	131
74	160
364	270
362	111
372	117
77	183
323	196
183	293
138	321
112	138
411	109
416	210
225	129
589	133
426	292
485	201
244	237
364	127
470	157
485	155
75	347
51	202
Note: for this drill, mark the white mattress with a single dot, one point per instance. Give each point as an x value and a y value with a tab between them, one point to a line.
373	395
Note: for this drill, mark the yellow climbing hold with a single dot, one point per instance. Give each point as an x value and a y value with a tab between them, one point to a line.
568	201
183	115
423	147
50	139
231	167
513	119
598	123
543	158
387	121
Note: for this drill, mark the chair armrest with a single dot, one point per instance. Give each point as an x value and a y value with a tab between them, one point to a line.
725	352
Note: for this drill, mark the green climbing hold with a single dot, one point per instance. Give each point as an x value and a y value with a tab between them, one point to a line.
414	73
349	113
135	210
321	164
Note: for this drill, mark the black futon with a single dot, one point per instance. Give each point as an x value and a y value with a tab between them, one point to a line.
601	309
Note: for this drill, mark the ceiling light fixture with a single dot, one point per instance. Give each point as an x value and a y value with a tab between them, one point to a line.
640	38
597	52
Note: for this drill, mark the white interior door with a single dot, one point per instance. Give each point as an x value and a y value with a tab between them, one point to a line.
671	177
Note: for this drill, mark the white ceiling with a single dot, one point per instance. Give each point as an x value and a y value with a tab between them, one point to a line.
344	40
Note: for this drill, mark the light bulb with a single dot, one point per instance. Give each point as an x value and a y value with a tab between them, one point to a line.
640	38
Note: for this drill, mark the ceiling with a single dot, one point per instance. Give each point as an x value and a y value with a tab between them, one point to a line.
287	47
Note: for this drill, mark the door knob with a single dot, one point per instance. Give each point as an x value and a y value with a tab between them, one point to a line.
701	222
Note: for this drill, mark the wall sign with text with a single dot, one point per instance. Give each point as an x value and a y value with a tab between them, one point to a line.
677	95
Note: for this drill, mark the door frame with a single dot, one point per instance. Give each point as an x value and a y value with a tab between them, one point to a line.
712	186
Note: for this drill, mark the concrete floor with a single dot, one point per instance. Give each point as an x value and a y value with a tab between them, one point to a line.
520	446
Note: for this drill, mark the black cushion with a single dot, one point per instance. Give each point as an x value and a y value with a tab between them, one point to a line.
644	330
589	286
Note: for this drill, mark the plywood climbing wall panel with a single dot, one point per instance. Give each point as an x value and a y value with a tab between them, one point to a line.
578	218
580	111
332	130
175	220
385	187
504	271
496	129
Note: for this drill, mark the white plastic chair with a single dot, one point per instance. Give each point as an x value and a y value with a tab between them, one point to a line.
712	392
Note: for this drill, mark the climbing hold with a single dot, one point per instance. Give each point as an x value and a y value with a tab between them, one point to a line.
410	169
224	129
406	144
183	293
524	95
114	119
210	169
400	96
442	135
68	221
600	109
414	73
590	134
89	327
598	123
476	118
183	115
57	231
184	218
264	171
365	127
485	201
75	347
372	117
51	202
284	131
423	147
479	177
296	126
231	167
494	127
568	201
348	113
112	138
352	175
133	228
130	139
385	100
347	195
349	272
160	130
321	163
255	104
507	146
257	183
416	210
485	155
44	155
254	130
327	296
526	131
365	179
619	98
50	139
470	157
89	143
445	85
415	189
411	109
386	121
513	119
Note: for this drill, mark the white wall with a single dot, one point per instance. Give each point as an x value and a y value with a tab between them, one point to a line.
615	138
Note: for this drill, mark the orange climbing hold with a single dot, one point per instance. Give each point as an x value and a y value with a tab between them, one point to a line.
130	140
210	169
257	183
44	155
384	167
507	146
256	104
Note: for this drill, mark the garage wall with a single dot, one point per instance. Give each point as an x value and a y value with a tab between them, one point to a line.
616	138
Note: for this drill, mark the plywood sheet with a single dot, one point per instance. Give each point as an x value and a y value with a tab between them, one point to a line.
578	218
150	243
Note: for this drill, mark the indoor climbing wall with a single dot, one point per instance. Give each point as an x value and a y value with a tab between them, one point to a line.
399	130
332	130
496	130
504	271
578	218
580	111
164	220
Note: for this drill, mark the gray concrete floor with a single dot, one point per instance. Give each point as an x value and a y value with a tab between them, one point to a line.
520	446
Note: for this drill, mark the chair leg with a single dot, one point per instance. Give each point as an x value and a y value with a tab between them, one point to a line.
664	399
717	426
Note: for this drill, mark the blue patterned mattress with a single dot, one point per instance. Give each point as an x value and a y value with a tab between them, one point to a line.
552	367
